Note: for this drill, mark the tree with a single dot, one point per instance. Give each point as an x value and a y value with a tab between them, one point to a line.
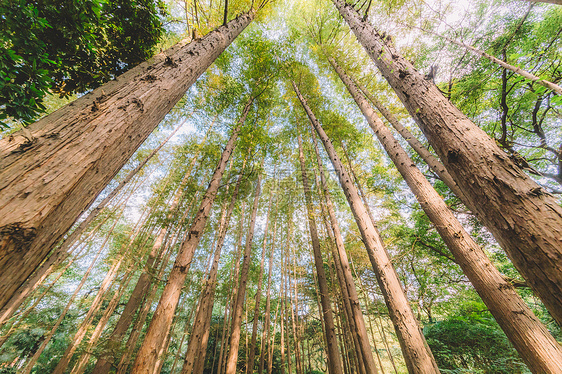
497	293
110	123
159	328
418	357
334	362
507	201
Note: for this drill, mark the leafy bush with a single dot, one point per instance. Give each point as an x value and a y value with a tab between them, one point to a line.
472	345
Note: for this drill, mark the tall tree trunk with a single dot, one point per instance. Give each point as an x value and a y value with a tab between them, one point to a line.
203	316
266	325
434	164
335	363
283	295
81	363
522	217
416	352
103	365
235	331
252	353
271	341
343	270
295	309
540	351
231	299
162	319
49	179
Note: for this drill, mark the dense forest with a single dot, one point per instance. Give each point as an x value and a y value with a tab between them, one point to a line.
280	186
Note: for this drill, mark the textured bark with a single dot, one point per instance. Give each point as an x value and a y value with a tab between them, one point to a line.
161	321
540	351
524	219
418	356
234	343
252	351
335	363
267	322
204	313
103	365
49	179
343	271
434	164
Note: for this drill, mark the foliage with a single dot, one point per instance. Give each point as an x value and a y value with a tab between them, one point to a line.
472	344
69	46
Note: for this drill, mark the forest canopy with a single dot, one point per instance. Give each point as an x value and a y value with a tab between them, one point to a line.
280	186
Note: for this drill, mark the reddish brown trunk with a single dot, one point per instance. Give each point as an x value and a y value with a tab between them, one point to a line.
49	179
418	356
234	344
266	325
161	321
252	354
335	363
525	220
535	344
196	344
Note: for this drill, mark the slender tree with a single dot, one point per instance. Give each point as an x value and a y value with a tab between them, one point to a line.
252	354
343	271
235	330
204	313
335	363
522	217
419	358
161	321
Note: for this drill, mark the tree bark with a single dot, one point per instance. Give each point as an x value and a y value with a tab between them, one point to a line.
252	354
416	352
344	271
266	325
540	351
162	319
335	363
234	344
203	316
526	221
434	164
49	179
